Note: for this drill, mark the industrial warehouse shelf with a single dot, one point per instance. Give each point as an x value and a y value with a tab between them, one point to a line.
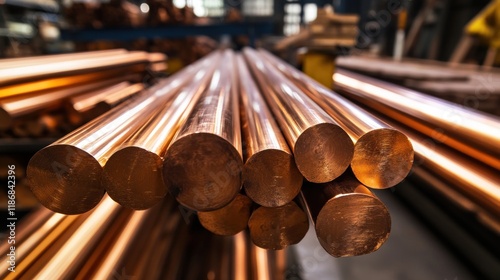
252	29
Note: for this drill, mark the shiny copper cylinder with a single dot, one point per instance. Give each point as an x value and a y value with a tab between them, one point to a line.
20	106
471	178
132	175
383	156
66	176
468	131
270	176
349	219
230	219
67	67
202	165
322	150
278	227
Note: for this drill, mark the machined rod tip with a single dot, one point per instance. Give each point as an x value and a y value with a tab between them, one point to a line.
65	179
132	177
278	227
271	178
382	158
323	152
230	219
202	171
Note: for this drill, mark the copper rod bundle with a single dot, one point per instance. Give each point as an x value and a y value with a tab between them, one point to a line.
203	163
349	220
230	219
471	132
270	176
322	150
66	176
69	66
132	175
278	227
382	156
20	106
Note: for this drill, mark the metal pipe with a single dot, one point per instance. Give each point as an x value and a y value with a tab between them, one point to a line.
322	150
20	106
230	219
470	177
132	175
479	133
270	176
202	165
278	227
383	156
349	219
69	67
66	176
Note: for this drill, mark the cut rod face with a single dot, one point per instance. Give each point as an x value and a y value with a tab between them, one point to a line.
349	219
278	227
383	156
230	219
322	150
132	175
202	165
270	176
475	129
66	176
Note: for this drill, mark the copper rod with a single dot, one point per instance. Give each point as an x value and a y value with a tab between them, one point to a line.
68	67
470	177
472	132
383	156
43	86
270	176
240	262
66	176
85	107
349	219
202	165
81	242
230	219
42	59
132	175
18	106
278	227
322	150
260	263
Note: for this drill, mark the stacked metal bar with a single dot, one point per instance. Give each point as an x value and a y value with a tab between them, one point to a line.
41	95
242	140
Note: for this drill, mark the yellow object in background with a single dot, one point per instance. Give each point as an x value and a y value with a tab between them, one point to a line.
486	24
320	66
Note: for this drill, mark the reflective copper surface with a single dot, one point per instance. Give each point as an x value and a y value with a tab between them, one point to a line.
472	132
66	176
132	175
321	148
270	176
383	156
278	227
349	219
230	219
202	165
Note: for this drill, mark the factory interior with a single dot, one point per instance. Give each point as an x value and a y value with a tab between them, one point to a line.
250	139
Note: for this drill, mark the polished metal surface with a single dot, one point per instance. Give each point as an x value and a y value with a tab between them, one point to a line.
66	176
270	176
132	175
383	156
278	227
322	150
202	165
468	131
230	219
349	219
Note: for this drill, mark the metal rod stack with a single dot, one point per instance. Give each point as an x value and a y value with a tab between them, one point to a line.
239	139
